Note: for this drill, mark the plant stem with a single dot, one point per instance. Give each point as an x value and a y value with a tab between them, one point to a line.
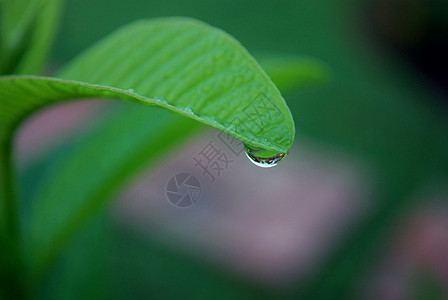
10	262
8	190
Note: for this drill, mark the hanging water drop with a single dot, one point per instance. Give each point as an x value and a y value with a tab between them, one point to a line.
263	158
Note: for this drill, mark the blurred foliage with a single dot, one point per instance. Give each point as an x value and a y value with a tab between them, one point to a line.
27	31
24	45
375	108
424	285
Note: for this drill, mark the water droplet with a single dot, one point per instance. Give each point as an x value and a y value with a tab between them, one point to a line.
263	158
131	90
188	109
160	99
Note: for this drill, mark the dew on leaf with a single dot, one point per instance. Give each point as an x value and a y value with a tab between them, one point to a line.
263	158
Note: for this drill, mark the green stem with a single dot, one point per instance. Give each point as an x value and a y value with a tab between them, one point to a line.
10	260
8	190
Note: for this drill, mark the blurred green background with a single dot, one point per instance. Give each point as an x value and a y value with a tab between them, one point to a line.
384	106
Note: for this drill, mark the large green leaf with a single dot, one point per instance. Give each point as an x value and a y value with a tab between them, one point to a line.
200	72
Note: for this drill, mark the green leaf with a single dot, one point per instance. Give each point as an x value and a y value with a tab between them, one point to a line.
200	71
288	71
42	35
27	29
16	18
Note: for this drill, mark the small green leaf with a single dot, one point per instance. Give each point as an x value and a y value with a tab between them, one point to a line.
289	71
27	29
41	39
